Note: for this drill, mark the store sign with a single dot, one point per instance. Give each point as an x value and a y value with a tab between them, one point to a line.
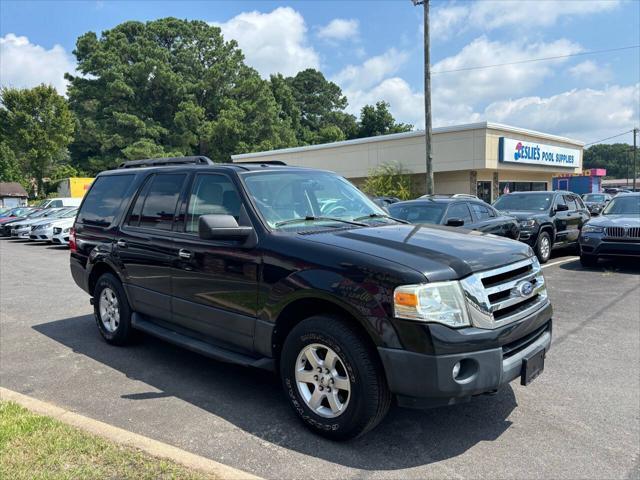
518	151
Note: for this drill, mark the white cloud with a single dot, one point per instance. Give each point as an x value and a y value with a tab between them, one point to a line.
26	65
495	14
590	73
585	114
495	83
274	42
340	29
371	71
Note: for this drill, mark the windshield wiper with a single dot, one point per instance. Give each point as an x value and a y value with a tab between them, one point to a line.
380	215
311	218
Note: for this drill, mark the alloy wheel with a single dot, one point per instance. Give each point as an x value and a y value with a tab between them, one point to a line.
109	310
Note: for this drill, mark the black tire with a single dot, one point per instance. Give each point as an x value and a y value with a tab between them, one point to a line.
123	334
369	397
543	254
588	260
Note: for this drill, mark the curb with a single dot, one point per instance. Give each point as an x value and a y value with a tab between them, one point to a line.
127	438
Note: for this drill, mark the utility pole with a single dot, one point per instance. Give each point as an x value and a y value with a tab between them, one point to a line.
635	158
427	96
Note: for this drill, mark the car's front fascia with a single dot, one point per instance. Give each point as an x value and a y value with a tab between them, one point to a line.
611	235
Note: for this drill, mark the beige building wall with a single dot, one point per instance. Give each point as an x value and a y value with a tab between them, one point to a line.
462	155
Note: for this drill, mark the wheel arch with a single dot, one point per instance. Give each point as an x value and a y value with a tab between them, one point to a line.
97	270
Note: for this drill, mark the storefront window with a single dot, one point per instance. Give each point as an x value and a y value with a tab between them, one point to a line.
483	191
507	187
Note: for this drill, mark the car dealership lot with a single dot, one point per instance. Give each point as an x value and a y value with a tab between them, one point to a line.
578	420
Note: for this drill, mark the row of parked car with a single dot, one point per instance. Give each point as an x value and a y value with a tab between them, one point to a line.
51	221
546	220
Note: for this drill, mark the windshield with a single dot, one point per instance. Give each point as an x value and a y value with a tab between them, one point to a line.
623	206
418	213
37	214
317	197
528	202
593	197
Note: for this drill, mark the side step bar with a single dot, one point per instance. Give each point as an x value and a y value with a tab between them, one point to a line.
203	348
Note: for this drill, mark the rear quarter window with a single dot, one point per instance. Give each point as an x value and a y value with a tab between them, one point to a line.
104	199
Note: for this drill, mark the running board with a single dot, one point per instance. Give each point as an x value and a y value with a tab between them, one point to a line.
199	346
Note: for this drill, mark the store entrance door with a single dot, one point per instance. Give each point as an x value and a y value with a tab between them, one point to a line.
508	187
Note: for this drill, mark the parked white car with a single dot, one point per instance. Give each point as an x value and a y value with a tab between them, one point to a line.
43	231
22	229
58	202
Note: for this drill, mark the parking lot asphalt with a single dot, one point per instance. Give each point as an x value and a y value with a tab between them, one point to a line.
579	419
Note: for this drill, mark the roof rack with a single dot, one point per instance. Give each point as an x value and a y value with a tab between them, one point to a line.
164	162
266	162
450	195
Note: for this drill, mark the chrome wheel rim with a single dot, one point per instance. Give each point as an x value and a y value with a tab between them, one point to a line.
322	379
109	310
545	248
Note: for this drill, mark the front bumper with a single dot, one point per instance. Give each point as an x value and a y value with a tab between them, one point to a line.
23	233
41	235
422	380
529	236
594	244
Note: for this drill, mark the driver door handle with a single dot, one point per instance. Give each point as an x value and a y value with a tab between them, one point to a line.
186	254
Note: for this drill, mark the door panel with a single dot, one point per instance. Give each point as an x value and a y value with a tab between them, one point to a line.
561	221
215	283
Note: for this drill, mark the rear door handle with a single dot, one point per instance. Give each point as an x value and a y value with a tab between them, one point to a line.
121	244
186	254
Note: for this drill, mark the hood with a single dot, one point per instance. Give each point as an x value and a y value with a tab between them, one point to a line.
525	214
438	252
615	221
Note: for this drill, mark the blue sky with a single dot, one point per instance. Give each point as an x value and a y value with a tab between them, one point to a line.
373	50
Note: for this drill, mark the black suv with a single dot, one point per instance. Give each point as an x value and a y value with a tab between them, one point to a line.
456	211
548	220
297	271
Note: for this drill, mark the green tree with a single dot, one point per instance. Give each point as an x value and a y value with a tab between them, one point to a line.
378	120
389	179
38	126
321	104
617	158
10	167
168	87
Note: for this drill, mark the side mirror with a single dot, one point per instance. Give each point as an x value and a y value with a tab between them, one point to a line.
221	227
562	208
455	222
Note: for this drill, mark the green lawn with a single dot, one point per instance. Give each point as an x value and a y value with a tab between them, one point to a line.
37	447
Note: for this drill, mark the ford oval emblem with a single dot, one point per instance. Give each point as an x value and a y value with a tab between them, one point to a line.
525	288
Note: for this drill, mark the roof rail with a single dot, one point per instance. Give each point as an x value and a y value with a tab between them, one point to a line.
164	162
451	195
266	162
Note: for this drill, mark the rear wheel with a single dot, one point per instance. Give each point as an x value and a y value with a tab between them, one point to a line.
333	378
543	247
112	310
588	260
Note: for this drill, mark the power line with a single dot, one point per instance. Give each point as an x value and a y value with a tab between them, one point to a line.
608	138
480	67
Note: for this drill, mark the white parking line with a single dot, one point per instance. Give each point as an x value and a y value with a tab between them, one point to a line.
566	260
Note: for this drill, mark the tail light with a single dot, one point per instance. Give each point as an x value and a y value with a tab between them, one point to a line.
72	240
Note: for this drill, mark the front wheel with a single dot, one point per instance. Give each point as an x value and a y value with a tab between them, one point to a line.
333	378
543	248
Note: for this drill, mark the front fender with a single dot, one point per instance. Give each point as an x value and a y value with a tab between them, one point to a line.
367	300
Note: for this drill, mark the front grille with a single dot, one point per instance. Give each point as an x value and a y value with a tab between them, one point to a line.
614	232
506	294
57	230
622	232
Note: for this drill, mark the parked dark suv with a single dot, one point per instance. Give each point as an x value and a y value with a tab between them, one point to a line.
459	210
548	220
295	270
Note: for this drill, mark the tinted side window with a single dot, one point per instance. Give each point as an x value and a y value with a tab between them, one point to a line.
134	214
160	203
482	212
560	200
212	194
580	203
104	199
55	204
459	210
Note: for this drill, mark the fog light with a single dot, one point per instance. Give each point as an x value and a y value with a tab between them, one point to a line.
456	370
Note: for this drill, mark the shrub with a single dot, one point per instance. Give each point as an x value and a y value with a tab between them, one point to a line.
389	179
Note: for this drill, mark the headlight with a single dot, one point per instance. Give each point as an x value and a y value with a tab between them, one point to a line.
46	225
528	223
440	302
592	229
66	230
